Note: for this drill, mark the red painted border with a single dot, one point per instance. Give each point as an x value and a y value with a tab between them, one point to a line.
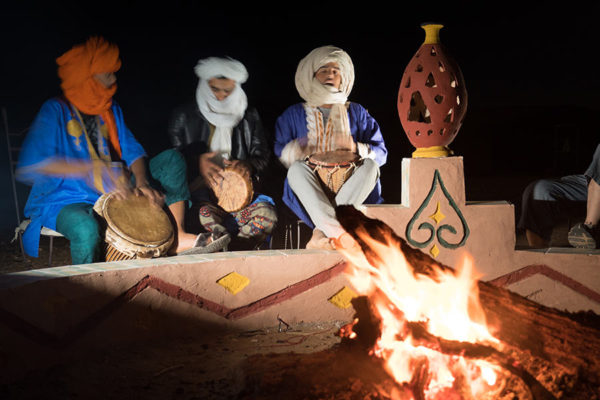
531	270
40	336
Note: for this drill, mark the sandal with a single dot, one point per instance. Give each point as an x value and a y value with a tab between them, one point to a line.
201	246
583	237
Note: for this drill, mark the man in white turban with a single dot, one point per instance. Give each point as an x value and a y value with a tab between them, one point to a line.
326	121
217	131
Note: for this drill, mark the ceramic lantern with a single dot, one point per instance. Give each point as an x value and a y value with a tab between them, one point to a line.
432	99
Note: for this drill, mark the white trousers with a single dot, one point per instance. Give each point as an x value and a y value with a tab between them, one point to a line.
306	185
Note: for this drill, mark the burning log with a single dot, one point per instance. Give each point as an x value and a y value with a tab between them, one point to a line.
548	349
423	331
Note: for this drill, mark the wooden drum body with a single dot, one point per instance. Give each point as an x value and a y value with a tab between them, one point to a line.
135	228
235	190
334	167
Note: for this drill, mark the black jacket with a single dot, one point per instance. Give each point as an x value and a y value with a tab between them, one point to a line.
189	132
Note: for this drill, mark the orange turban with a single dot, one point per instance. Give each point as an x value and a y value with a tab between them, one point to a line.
76	69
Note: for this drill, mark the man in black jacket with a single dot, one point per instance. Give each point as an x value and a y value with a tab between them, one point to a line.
219	130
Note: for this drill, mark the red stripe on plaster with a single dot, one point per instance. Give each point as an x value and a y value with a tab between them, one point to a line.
531	270
40	336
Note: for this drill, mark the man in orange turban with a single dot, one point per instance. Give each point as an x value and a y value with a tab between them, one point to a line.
79	148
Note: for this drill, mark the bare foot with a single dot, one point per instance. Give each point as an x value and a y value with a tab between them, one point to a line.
185	241
319	241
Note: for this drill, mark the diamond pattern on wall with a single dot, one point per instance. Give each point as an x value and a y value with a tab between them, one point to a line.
343	298
234	282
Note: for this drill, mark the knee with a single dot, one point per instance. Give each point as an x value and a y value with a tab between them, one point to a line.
170	159
297	171
87	234
542	189
371	169
267	218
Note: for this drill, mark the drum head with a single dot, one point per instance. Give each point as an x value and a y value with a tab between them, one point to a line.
234	192
332	158
137	220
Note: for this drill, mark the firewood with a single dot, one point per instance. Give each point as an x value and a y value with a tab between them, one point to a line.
534	333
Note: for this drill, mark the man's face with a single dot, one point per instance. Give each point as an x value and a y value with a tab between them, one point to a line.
329	74
107	79
221	87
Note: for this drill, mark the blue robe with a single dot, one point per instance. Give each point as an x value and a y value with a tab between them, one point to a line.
364	129
48	138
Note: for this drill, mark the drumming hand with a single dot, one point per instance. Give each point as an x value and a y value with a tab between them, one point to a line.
241	165
121	186
344	142
155	196
305	148
210	172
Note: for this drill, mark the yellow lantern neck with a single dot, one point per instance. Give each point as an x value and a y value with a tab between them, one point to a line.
432	33
432	152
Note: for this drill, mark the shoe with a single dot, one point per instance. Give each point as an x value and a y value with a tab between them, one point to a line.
319	241
203	246
584	237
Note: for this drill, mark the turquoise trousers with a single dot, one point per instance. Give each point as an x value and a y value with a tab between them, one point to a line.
79	223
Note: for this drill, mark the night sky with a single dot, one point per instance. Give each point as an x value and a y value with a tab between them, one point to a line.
531	73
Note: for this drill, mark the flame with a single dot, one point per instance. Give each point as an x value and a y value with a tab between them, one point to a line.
445	303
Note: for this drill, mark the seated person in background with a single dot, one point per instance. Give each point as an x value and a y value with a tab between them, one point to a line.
219	130
547	200
75	141
326	122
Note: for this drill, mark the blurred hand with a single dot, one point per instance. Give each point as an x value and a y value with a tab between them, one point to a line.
209	170
154	195
305	148
344	142
118	184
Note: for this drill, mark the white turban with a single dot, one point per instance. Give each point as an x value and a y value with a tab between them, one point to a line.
311	90
227	113
213	67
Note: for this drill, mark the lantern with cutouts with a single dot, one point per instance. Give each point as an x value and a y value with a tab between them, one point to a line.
432	99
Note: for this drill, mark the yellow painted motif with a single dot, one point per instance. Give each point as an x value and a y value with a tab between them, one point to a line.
234	282
74	129
437	216
343	298
434	251
104	131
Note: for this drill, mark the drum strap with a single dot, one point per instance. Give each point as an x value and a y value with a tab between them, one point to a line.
97	172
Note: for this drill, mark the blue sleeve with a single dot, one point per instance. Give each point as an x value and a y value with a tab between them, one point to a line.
368	132
284	131
42	143
131	149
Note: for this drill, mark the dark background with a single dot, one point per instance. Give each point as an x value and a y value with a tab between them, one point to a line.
530	71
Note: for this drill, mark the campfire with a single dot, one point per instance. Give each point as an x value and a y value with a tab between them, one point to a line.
427	322
425	331
416	313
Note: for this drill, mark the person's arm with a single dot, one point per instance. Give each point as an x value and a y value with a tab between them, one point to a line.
288	146
369	139
41	157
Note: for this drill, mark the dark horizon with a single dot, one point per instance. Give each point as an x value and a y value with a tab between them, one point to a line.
530	73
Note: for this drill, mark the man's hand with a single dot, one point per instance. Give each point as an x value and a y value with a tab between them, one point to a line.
154	195
210	171
305	148
242	166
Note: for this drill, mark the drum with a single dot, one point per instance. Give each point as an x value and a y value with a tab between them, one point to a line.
135	228
334	167
235	190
